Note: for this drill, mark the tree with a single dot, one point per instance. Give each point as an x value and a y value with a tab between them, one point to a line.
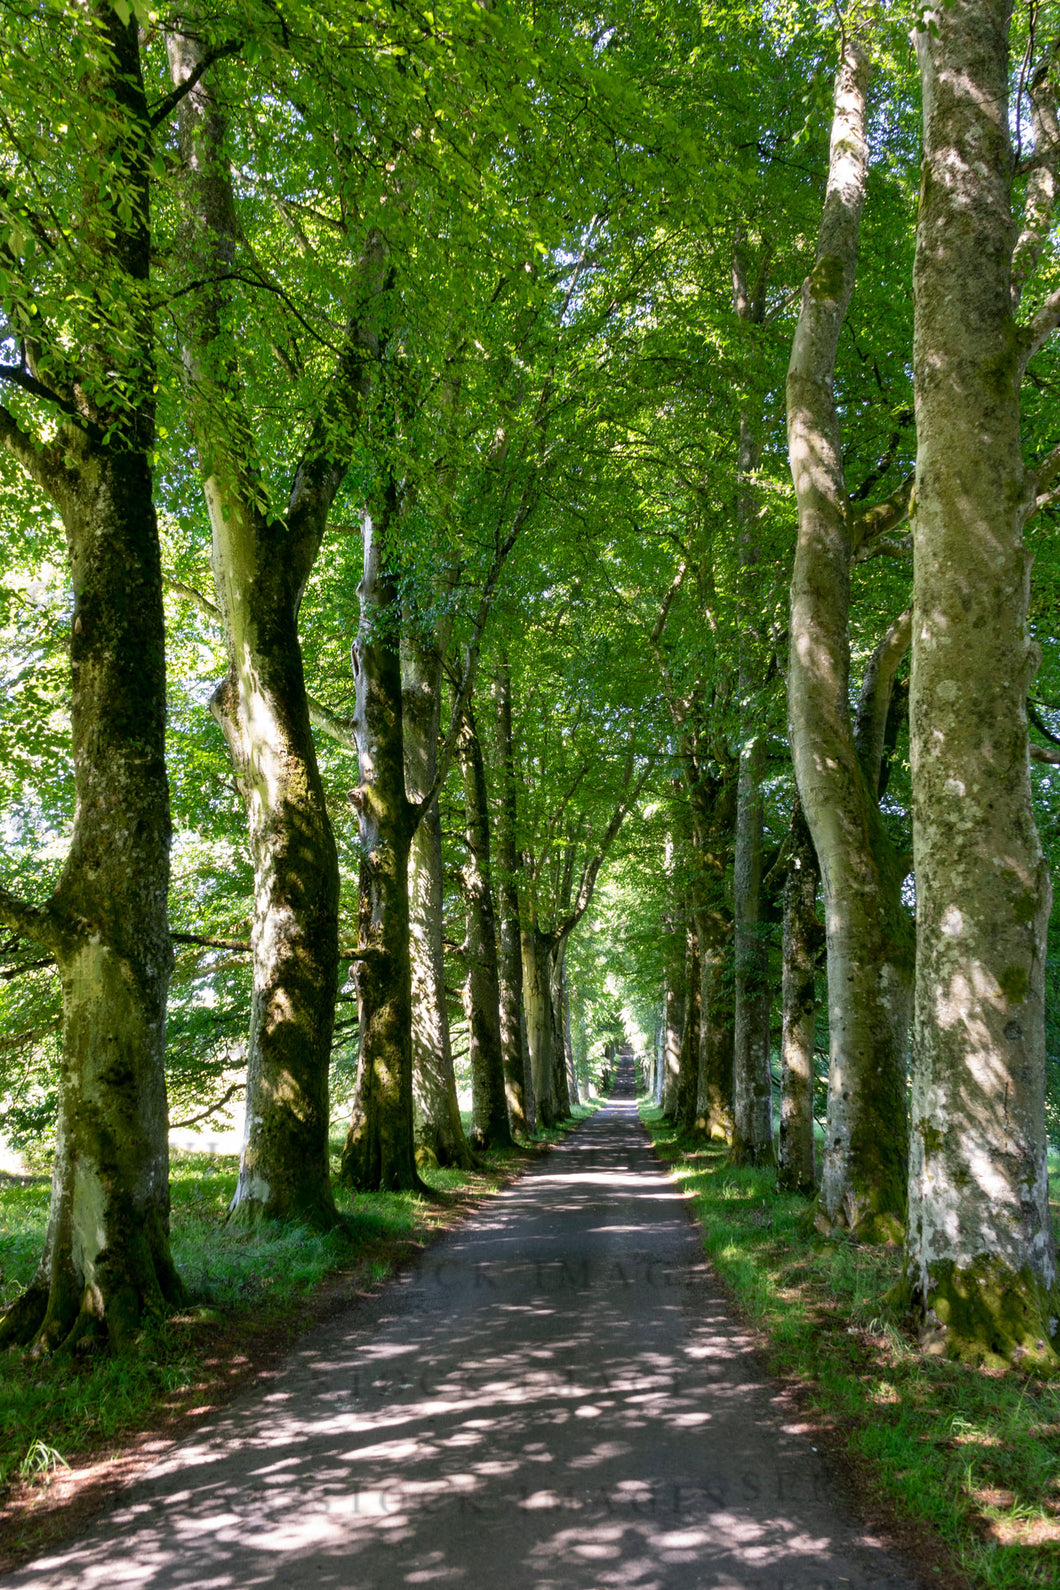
863	1184
74	272
981	1266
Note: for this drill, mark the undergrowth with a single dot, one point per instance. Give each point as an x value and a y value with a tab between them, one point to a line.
975	1453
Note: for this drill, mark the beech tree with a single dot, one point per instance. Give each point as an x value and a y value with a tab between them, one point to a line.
981	1264
79	361
837	760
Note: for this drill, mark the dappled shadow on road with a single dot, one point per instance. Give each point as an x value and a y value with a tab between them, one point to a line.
554	1397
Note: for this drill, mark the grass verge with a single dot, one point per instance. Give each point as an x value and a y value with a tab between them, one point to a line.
975	1454
71	1429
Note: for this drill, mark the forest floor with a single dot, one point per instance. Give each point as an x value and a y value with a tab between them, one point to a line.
72	1434
554	1395
974	1455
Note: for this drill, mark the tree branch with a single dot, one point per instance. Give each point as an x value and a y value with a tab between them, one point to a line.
35	922
867	524
39	462
180	91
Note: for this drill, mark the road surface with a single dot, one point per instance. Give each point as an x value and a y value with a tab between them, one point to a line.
553	1398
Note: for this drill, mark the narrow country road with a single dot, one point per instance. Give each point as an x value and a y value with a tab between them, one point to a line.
553	1399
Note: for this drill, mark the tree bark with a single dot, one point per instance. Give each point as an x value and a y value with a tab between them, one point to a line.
675	999
518	1080
439	1129
863	1183
260	571
802	939
380	1148
537	999
490	1125
688	1062
106	1261
980	1260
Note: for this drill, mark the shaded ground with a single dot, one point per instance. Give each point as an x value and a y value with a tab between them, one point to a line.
554	1398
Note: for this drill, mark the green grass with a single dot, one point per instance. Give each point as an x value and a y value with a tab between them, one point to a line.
974	1453
244	1283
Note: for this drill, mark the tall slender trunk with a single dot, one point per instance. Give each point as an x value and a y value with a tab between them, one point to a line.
561	1055
676	997
752	1140
864	1176
437	1108
490	1124
537	999
688	1064
980	1261
802	938
380	1149
518	1079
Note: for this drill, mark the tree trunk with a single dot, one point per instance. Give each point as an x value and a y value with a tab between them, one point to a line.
752	1139
437	1109
688	1064
260	572
676	997
537	1000
714	1086
864	1175
490	1126
518	1079
561	1056
380	1150
106	1261
980	1266
802	939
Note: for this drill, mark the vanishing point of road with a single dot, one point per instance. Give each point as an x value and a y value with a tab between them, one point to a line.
553	1398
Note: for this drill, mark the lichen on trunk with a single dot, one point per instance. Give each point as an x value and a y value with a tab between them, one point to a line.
980	1269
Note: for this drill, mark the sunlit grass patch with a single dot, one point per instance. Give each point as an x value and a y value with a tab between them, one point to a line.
972	1452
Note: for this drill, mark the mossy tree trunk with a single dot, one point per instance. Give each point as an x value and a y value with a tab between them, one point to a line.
803	938
490	1124
863	1186
712	791
981	1267
380	1150
752	1113
675	995
688	1063
537	999
106	1262
261	568
437	1109
518	1080
564	1082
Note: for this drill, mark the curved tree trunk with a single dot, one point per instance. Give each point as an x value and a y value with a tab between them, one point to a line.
490	1124
802	937
437	1108
980	1263
863	1183
260	573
